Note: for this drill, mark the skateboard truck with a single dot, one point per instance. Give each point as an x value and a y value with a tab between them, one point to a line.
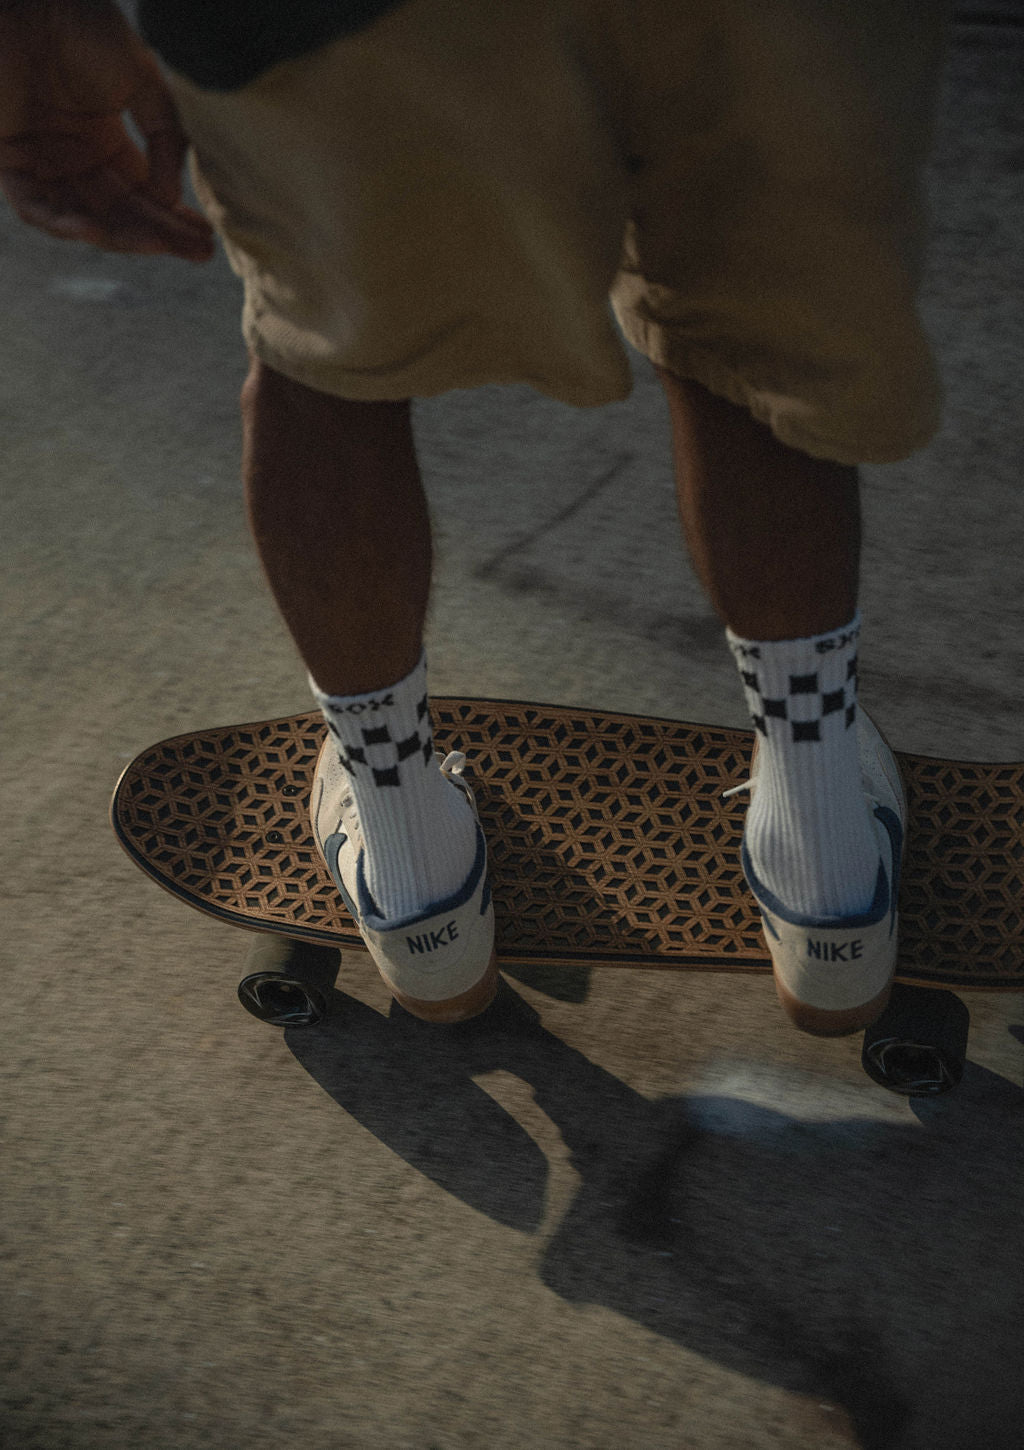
918	1047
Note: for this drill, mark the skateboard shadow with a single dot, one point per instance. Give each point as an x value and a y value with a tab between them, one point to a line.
826	1257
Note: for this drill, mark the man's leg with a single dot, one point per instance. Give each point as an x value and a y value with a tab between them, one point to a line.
775	539
340	521
774	534
341	525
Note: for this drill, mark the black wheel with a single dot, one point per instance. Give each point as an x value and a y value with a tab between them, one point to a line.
918	1047
281	1000
289	983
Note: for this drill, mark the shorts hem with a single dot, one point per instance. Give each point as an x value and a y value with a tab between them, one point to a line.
382	386
778	410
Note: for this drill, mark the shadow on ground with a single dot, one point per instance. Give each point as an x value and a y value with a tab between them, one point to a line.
691	1215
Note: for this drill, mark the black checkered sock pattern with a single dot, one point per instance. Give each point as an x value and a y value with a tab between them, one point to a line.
809	830
419	833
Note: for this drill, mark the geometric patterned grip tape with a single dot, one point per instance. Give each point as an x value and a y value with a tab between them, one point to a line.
608	839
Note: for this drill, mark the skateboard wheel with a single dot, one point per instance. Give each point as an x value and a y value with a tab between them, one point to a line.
918	1047
282	989
281	1000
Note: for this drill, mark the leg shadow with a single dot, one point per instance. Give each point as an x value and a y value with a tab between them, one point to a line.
824	1256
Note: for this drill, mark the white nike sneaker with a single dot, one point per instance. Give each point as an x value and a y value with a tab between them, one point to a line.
440	964
833	975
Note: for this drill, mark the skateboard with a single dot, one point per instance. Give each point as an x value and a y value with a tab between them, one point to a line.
610	844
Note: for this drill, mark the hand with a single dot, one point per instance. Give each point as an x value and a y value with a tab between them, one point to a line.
69	71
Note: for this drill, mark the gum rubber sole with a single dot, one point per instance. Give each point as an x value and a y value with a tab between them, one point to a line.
454	1009
820	1022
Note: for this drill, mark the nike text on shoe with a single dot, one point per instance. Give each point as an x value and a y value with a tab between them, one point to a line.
833	976
440	964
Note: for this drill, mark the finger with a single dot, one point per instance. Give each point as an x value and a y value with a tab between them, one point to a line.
152	109
165	152
53	211
123	221
114	197
56	221
42	204
128	172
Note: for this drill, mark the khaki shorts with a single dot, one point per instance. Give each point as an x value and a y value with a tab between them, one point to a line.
464	193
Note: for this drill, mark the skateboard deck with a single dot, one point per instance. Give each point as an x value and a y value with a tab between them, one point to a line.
609	841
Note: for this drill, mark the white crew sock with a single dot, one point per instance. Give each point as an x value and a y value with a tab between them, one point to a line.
809	832
418	828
